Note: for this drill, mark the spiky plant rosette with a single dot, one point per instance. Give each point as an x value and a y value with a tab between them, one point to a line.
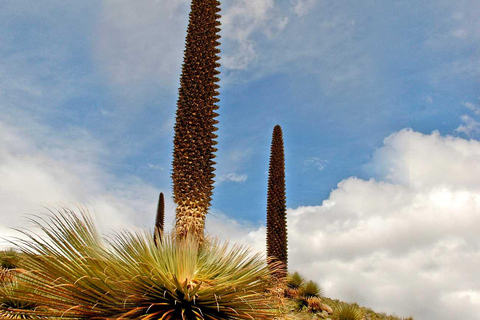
9	262
77	273
311	289
294	282
309	296
16	301
345	311
9	259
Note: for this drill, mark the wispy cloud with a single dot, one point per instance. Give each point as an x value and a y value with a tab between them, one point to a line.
314	163
156	167
231	161
302	7
241	22
457	35
232	177
140	43
469	127
473	107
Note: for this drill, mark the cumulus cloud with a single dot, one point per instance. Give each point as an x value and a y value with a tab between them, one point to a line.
236	231
406	241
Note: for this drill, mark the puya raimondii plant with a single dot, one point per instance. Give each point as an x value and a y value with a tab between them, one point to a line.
160	218
194	139
276	204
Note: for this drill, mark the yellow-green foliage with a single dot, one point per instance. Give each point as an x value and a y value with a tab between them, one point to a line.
76	273
311	289
345	311
295	280
15	302
9	259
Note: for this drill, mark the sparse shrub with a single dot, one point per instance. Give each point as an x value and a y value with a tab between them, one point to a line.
309	296
80	275
9	261
314	304
311	289
295	280
294	283
345	311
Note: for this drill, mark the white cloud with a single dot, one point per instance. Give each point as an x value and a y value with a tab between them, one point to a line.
302	7
37	74
469	127
458	34
141	42
231	159
233	177
241	22
39	168
422	161
314	163
473	107
155	167
406	242
221	226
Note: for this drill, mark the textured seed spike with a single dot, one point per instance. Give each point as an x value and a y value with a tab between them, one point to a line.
160	220
276	204
194	138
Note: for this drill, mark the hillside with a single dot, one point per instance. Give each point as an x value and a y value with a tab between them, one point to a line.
305	300
291	313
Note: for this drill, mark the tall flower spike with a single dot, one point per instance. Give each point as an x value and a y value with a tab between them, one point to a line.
194	138
160	220
276	204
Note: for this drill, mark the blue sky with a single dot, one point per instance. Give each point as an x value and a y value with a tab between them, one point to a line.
88	96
